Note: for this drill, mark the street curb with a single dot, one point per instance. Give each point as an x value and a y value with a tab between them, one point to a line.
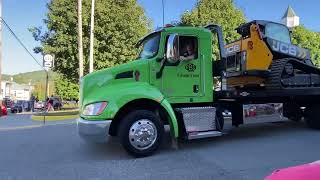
57	113
54	118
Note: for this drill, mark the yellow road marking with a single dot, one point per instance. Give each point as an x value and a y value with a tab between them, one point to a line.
20	127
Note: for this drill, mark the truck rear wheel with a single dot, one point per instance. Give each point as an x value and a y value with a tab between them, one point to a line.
141	133
312	117
292	111
237	114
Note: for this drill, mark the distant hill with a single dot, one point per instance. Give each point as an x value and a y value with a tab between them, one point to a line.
5	77
35	77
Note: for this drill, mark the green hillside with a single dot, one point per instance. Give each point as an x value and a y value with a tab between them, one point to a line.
37	80
5	77
34	77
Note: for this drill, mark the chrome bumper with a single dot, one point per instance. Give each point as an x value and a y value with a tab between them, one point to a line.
94	131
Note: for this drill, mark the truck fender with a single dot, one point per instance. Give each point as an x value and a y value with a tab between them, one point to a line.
174	129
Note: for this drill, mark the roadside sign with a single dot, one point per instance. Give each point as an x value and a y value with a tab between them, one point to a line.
48	61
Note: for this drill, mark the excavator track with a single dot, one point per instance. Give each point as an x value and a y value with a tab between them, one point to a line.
303	76
276	69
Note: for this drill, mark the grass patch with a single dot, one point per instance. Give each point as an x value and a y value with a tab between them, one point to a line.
54	118
70	106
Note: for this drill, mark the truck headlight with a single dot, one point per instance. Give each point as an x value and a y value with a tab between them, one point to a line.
94	109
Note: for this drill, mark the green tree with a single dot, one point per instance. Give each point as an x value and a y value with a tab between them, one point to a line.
39	91
66	89
221	12
118	26
309	40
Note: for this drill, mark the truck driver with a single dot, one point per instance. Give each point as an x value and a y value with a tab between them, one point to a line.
188	52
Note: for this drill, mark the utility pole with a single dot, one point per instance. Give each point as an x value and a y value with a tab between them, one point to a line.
91	37
1	56
80	46
162	13
199	12
48	63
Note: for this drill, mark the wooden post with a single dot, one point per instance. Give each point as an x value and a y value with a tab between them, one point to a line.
91	37
80	46
162	13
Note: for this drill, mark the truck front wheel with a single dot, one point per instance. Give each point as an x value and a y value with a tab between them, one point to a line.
141	132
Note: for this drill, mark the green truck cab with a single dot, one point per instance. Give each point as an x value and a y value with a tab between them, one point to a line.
135	100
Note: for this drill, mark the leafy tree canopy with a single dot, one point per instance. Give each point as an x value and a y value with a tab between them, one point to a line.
66	89
118	26
221	12
309	40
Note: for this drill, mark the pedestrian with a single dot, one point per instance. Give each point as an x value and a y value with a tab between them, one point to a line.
50	104
32	100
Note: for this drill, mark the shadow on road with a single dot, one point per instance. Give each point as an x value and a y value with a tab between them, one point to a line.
251	151
251	132
112	150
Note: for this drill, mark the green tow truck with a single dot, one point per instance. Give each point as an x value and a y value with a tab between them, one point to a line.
162	87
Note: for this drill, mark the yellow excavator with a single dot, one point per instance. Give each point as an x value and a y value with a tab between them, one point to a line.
265	57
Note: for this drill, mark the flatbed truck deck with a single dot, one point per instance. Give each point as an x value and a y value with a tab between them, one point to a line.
256	96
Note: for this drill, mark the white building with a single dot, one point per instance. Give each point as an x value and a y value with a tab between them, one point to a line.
15	91
290	19
5	89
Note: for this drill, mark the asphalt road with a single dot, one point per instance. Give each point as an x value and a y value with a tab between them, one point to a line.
56	152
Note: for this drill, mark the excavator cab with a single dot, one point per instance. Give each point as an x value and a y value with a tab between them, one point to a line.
268	29
265	57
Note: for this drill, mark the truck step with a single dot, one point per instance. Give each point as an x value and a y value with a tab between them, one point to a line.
199	119
199	135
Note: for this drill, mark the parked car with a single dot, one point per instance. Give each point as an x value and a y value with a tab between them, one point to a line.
250	110
38	105
17	107
266	109
27	106
8	102
4	110
56	102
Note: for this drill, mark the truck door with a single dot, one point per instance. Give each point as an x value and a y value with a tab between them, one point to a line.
183	79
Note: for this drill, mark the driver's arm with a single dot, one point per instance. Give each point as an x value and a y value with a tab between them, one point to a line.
187	58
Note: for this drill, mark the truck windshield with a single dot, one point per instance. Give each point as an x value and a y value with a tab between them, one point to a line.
150	47
278	32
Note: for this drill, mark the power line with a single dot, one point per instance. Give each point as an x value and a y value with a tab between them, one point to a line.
20	42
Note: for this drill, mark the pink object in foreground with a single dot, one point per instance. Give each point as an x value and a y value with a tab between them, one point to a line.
303	172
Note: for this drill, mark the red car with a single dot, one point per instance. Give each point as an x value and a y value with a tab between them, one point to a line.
4	110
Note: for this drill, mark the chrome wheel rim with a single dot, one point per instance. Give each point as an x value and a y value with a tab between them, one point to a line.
143	134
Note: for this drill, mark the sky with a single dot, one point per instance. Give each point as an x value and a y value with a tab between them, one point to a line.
23	14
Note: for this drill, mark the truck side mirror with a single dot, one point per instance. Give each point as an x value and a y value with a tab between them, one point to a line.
172	53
